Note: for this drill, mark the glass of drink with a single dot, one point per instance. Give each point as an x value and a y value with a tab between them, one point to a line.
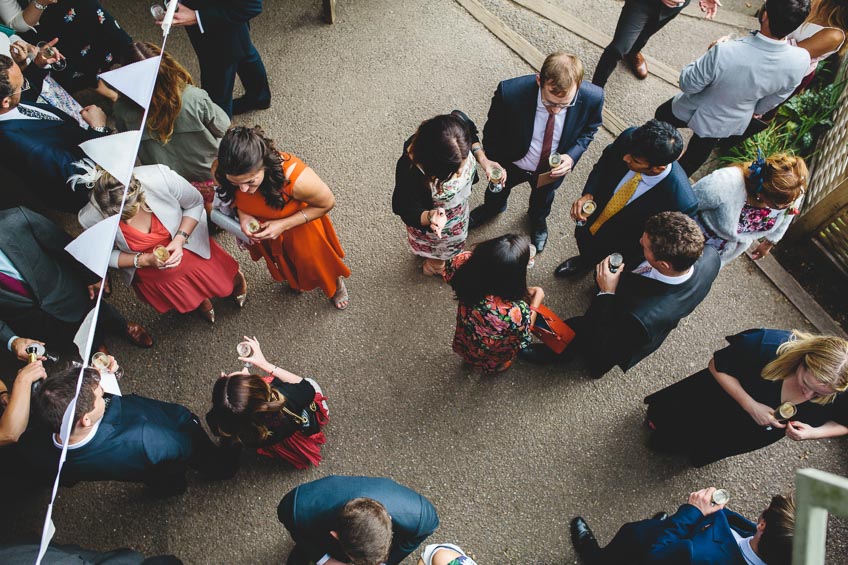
554	160
102	362
588	208
616	261
244	350
48	52
158	12
785	411
496	180
253	226
161	253
720	496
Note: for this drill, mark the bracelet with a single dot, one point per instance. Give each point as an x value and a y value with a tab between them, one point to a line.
102	129
38	6
305	217
184	234
135	260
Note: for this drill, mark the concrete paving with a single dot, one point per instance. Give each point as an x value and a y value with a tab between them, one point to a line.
507	460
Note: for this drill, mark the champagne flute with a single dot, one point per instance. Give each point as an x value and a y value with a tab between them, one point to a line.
101	362
48	52
244	350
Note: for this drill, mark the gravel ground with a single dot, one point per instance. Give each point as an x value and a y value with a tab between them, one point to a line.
507	460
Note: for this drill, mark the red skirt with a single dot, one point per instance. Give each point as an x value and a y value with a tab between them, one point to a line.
300	450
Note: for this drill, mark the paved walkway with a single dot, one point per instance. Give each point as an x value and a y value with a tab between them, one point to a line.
507	460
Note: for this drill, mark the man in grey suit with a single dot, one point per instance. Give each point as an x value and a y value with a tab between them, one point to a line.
736	81
44	292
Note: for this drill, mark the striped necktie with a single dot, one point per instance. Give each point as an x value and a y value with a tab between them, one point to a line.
616	203
37	113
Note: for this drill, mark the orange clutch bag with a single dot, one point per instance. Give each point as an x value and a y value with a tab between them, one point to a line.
549	328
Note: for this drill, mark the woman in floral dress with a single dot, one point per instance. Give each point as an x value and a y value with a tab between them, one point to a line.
742	203
433	180
495	309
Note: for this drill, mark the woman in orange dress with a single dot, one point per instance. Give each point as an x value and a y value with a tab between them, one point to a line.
282	207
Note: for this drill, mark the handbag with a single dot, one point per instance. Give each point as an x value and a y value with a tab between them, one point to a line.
550	329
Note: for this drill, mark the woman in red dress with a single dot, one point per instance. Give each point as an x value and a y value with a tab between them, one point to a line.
163	214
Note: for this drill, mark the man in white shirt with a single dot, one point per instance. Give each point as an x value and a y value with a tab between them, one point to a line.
530	118
701	531
40	143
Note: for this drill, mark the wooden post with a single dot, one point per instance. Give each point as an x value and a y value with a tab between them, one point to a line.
816	494
820	214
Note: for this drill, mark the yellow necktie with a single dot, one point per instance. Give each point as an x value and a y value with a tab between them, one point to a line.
616	203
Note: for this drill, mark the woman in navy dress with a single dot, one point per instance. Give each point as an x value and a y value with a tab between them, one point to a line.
728	408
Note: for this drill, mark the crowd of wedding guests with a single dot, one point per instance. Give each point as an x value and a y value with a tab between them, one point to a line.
654	242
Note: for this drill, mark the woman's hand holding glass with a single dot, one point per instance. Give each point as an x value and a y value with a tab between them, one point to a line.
245	221
273	229
150	260
763	415
256	358
175	248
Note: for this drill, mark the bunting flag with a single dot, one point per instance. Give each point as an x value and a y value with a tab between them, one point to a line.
135	80
93	247
115	153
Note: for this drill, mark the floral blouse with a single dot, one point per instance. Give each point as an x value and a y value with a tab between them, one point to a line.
753	219
489	334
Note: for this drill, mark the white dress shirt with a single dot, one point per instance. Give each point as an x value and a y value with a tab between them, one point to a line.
646	183
646	270
531	160
748	554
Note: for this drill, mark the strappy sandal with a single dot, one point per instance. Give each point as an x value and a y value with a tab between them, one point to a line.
240	290
341	299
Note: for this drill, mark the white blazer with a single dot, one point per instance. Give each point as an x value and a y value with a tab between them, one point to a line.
171	198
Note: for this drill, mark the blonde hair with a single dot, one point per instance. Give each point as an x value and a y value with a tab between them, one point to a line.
784	179
831	13
563	70
826	357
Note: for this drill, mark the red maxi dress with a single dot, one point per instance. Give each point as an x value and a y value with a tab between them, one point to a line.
185	286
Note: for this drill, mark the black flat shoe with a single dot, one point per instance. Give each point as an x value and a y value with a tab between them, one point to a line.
242	105
571	267
662	515
479	216
582	537
538	354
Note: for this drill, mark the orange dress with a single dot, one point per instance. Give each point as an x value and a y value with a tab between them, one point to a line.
308	255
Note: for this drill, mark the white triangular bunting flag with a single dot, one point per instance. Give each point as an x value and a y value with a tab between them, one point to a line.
85	333
93	247
135	80
46	534
115	153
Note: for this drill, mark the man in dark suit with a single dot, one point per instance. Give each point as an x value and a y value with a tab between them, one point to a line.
638	22
220	34
531	117
120	438
634	311
366	520
39	143
699	532
636	177
44	292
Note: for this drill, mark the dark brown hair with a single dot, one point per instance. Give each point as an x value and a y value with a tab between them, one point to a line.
167	100
244	150
497	267
775	546
53	397
563	70
365	531
675	238
6	89
440	145
236	400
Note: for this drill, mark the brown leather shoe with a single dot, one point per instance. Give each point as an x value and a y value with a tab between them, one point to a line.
638	65
138	336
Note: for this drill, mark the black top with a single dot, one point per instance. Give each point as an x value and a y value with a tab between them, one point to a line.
697	418
412	194
300	400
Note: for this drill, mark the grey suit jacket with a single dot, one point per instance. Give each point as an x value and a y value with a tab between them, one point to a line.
731	82
170	197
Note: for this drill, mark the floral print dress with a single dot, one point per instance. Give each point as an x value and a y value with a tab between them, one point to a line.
489	334
751	220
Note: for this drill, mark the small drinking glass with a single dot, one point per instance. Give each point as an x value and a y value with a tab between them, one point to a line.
244	350
101	362
615	262
158	12
48	52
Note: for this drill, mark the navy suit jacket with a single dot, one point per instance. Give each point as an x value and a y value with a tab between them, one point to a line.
41	153
58	282
622	232
226	37
309	514
512	114
139	440
685	538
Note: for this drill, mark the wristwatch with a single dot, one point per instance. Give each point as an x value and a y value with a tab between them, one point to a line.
38	6
184	234
102	129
